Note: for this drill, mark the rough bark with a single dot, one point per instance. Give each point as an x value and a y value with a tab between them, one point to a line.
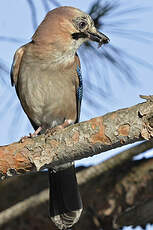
107	190
78	141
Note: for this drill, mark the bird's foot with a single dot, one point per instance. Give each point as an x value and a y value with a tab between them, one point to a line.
24	138
52	131
31	135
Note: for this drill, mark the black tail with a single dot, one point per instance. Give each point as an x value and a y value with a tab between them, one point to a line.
65	201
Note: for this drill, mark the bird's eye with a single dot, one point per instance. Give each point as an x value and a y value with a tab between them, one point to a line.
82	25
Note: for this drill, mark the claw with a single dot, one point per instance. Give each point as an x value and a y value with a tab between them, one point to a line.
31	135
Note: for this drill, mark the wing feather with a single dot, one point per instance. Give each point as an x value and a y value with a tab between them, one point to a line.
16	65
79	90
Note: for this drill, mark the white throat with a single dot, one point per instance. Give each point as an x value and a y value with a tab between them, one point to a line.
68	56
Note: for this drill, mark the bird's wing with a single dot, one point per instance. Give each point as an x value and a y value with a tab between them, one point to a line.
79	91
16	65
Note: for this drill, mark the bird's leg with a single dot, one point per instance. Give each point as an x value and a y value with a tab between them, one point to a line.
51	131
37	131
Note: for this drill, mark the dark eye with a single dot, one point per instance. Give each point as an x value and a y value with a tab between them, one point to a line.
82	25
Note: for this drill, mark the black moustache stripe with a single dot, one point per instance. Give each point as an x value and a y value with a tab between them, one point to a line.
76	36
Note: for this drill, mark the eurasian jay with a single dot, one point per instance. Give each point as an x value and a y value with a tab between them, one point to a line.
47	77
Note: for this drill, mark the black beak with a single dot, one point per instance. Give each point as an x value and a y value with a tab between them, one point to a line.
92	35
98	37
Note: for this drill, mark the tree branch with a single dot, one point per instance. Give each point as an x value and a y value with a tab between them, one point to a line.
84	177
80	140
141	214
21	207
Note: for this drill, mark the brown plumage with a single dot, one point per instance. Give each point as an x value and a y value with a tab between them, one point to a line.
45	74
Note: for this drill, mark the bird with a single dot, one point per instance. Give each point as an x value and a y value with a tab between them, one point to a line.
46	73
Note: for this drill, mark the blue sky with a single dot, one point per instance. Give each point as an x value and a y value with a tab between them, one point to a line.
15	21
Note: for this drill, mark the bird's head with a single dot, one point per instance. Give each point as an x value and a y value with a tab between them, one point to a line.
66	28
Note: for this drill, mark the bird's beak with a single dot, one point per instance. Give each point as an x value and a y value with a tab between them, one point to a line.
95	35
